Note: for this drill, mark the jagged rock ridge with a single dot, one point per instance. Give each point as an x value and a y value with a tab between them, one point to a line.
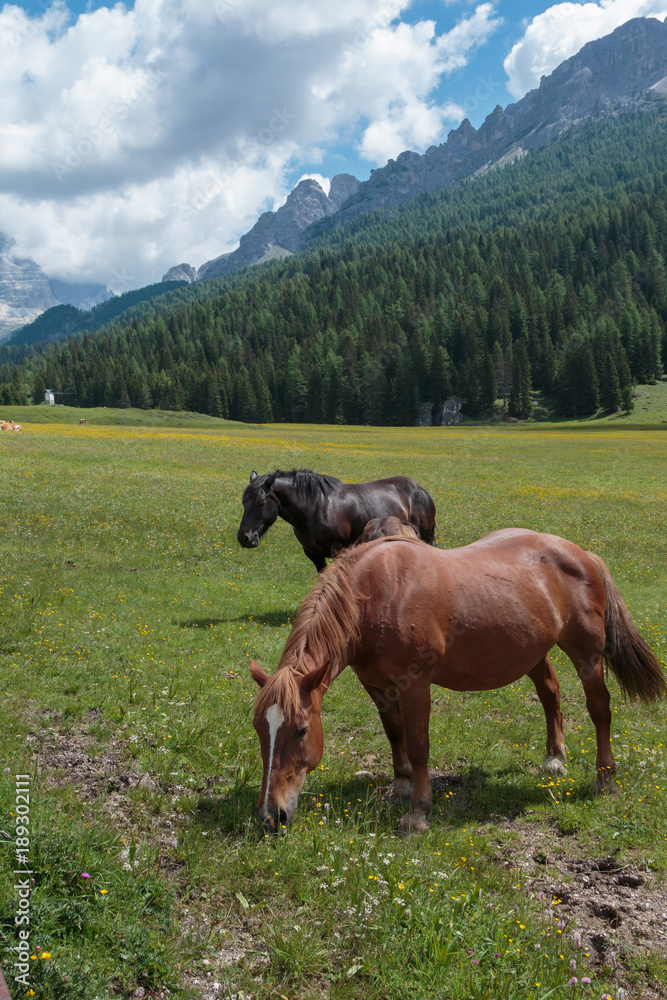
605	77
609	75
275	231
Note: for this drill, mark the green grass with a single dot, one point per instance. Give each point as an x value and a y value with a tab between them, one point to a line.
128	615
103	415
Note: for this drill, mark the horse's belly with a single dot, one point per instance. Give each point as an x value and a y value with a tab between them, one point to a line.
479	660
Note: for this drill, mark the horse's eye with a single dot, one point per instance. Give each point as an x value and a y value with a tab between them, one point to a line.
300	733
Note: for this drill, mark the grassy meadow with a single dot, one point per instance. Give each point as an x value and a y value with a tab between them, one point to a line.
128	612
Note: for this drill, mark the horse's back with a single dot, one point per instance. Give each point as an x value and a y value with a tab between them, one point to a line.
487	613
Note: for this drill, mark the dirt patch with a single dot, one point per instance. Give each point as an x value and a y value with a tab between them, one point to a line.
74	759
612	908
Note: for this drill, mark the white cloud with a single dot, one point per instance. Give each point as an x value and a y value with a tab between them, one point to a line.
131	139
562	30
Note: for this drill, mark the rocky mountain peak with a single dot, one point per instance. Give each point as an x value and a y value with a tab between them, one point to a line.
275	233
606	76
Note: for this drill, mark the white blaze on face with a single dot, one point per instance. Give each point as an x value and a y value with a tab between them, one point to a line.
275	719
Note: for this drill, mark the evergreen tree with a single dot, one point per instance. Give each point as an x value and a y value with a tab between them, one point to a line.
610	389
38	388
520	400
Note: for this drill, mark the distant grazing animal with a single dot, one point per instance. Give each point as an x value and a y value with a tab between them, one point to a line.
406	616
9	425
381	527
328	515
83	420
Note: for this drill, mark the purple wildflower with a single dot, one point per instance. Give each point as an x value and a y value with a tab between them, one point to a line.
573	981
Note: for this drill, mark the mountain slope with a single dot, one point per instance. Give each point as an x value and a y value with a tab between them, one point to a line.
275	231
604	79
66	320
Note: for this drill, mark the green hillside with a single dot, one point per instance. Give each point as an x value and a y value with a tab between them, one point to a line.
547	275
63	321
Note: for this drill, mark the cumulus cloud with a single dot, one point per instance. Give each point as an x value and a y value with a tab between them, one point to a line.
131	139
562	30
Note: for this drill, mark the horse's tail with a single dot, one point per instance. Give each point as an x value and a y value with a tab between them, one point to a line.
631	660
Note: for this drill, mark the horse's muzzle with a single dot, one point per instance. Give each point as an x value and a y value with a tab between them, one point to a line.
272	819
248	539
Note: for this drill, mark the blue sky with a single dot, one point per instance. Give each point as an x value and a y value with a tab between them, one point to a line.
142	135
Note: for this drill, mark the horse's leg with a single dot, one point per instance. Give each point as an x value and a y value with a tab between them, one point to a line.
319	560
416	710
548	691
586	655
390	717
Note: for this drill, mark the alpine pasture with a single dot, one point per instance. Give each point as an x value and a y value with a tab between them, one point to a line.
128	616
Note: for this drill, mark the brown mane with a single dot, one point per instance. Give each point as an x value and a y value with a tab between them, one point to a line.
326	622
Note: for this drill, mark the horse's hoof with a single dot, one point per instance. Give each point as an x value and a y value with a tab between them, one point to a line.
399	790
605	783
553	765
413	823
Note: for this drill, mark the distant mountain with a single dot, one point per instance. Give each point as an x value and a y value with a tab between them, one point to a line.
66	320
26	291
618	73
275	234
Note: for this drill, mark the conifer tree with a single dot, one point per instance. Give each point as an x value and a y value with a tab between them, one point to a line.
610	389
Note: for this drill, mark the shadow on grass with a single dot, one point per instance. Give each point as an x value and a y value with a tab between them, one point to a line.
274	619
200	622
476	795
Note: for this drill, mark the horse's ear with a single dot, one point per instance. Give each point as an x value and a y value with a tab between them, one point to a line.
253	475
258	675
313	680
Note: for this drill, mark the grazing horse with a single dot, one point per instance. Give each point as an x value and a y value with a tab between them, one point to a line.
406	616
83	420
381	527
9	425
326	514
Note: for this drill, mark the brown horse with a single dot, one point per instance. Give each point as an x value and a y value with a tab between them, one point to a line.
383	527
405	616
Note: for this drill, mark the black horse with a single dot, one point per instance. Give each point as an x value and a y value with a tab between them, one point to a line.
328	515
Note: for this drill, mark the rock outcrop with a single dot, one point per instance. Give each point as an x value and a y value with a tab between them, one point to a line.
275	233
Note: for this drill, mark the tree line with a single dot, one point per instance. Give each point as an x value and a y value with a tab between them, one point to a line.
547	275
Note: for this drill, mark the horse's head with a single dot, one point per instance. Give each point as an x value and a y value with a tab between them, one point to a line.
289	726
260	509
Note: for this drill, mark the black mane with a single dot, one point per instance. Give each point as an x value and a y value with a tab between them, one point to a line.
306	482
